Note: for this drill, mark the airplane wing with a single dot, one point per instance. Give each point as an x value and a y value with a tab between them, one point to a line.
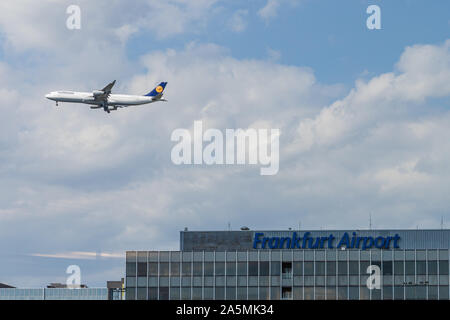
107	89
105	92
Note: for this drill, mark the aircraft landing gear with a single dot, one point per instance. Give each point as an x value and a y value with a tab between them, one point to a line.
57	103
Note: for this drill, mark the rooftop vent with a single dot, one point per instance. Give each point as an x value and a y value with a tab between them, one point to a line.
244	228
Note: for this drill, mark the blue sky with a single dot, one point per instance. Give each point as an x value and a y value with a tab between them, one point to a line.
363	116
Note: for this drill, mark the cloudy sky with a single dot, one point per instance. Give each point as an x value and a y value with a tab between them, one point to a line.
364	118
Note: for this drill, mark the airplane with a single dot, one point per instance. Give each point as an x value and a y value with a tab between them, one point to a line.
103	99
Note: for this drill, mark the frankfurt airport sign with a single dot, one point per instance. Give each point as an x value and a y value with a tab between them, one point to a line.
330	242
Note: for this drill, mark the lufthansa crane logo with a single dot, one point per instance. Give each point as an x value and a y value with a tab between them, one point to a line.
159	89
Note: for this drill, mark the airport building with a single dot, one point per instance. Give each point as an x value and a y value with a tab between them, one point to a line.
299	265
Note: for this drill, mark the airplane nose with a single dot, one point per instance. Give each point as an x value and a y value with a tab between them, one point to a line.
48	96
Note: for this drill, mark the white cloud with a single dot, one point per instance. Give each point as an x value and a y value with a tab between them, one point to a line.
237	22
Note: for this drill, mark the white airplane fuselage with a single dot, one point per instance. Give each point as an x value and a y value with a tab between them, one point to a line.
89	98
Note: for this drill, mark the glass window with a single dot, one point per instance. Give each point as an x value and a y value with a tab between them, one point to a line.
163	293
220	293
276	255
263	293
320	255
320	268
220	281
198	256
331	268
443	267
253	293
142	281
275	268
309	280
275	280
354	255
220	256
387	292
198	268
432	267
175	293
242	281
342	267
253	281
186	281
275	293
342	293
186	293
432	292
398	268
409	255
208	293
231	268
342	255
287	255
387	268
353	267
220	268
309	268
153	293
231	280
175	281
187	256
209	281
432	254
209	268
242	256
264	255
131	281
174	268
264	268
320	293
331	293
242	293
164	256
421	267
421	255
153	256
131	269
410	268
142	269
253	268
298	293
443	254
242	268
398	292
298	268
309	293
186	269
353	293
443	293
231	293
331	255
209	256
231	256
331	281
399	255
197	293
309	255
164	269
131	256
253	255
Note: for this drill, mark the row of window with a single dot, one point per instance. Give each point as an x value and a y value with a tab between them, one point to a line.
285	255
265	268
296	293
276	281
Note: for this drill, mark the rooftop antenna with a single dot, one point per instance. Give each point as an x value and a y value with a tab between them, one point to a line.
299	226
370	220
229	226
442	222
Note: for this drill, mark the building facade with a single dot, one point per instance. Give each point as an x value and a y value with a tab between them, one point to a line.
54	294
299	265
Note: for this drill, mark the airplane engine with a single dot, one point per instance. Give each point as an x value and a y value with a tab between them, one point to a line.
97	93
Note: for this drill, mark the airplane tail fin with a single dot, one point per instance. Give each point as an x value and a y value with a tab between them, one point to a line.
158	90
